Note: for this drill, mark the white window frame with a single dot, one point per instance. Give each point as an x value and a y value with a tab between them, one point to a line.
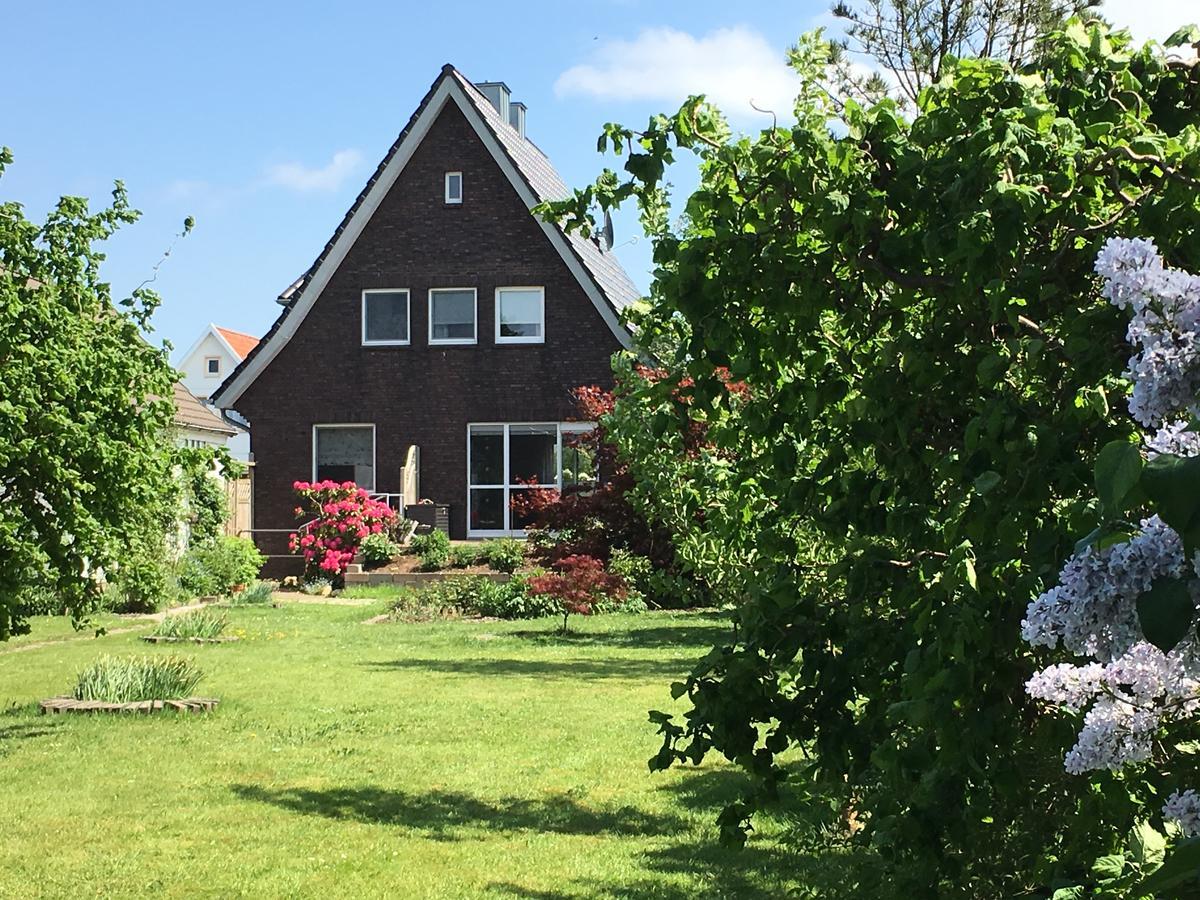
208	373
561	428
540	339
374	448
407	312
450	199
474	339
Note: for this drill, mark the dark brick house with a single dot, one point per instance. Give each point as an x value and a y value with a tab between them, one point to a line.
441	315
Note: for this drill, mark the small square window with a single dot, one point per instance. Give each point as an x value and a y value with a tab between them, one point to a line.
454	187
520	315
452	316
212	365
385	317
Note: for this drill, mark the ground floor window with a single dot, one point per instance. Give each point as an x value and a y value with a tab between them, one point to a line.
506	461
344	453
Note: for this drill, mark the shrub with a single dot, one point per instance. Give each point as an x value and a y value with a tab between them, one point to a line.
344	515
433	548
578	585
423	605
464	555
143	584
258	592
115	679
38	601
378	549
201	623
219	566
510	600
504	554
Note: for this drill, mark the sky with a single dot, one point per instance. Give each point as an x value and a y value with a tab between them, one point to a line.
264	119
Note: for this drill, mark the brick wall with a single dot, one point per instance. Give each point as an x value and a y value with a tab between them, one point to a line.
420	394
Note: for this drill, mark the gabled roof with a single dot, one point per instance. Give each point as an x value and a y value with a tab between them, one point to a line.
240	343
528	170
193	415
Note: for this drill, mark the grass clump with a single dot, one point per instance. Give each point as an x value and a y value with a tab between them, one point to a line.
116	679
257	593
201	623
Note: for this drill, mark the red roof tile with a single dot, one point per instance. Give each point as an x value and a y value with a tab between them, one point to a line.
241	343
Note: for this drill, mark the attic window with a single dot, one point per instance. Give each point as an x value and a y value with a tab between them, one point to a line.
212	365
454	187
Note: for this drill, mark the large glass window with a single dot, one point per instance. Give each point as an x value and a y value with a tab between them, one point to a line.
580	469
520	315
384	317
509	467
452	316
344	453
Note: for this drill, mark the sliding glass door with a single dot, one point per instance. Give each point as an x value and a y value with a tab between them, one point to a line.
506	463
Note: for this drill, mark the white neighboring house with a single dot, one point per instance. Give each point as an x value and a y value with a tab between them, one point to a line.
215	354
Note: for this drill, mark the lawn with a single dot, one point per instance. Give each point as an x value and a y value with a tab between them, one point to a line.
448	759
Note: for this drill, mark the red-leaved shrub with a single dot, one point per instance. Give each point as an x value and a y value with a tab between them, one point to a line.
342	515
578	584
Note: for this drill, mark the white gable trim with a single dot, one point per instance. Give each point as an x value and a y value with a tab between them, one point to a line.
448	90
216	333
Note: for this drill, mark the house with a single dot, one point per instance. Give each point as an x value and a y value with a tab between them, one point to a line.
195	424
442	316
216	353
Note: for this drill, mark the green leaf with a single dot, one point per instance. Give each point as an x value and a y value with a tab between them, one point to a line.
1188	34
1181	865
1173	485
1165	612
1110	866
1118	468
1148	845
986	481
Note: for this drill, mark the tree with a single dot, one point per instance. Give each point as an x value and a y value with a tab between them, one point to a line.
85	410
914	39
930	366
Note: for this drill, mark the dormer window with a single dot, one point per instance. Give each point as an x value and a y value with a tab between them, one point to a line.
212	365
454	187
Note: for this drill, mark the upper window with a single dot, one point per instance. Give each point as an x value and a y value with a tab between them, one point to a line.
520	315
454	187
344	453
212	365
384	317
452	316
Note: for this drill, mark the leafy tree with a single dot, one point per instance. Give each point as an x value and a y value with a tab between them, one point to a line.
85	408
929	366
915	39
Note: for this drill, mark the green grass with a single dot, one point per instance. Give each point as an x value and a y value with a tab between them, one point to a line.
446	759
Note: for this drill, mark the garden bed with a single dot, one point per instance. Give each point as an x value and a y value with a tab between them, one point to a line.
71	705
171	639
414	578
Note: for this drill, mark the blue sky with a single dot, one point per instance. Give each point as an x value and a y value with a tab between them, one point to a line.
263	120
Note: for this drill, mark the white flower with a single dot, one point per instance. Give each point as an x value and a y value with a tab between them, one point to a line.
1184	809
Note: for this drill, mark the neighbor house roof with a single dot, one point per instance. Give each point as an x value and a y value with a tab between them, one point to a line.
531	174
241	344
193	415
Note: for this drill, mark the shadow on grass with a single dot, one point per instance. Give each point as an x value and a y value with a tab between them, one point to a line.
689	865
698	636
11	735
451	816
663	667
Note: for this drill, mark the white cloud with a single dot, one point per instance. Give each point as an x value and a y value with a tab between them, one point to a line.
299	177
733	67
1151	19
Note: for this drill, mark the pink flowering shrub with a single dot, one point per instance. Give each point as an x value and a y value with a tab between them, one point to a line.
342	515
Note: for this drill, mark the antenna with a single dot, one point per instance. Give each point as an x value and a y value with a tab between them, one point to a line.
608	231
